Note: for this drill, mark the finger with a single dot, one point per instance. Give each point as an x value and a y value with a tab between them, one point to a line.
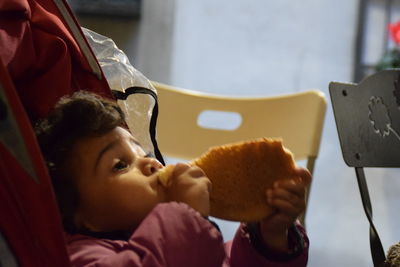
294	186
206	182
304	175
196	172
283	194
180	168
286	207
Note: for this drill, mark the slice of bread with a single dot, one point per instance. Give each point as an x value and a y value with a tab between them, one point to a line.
240	174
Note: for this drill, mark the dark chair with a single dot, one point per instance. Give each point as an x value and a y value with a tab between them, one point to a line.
368	122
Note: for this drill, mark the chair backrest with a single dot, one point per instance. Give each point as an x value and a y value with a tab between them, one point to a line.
296	118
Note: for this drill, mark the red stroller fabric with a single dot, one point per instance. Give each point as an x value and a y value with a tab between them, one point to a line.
29	223
41	54
42	57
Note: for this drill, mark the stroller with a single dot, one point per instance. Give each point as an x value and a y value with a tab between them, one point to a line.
44	55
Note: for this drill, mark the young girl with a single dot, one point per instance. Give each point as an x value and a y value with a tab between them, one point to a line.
116	213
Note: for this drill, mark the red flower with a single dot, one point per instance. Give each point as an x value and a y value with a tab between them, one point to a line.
394	30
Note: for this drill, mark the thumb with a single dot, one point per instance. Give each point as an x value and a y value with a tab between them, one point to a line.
305	176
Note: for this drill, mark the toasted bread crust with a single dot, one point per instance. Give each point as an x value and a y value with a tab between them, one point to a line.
164	174
241	173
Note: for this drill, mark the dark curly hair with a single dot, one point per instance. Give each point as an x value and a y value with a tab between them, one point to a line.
84	114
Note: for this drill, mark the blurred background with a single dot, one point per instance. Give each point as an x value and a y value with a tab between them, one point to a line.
267	48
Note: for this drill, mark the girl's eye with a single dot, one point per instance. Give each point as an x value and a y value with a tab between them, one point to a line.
120	165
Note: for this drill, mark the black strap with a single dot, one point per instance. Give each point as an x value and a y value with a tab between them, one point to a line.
153	121
377	252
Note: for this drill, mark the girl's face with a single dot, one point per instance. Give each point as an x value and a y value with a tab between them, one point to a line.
117	182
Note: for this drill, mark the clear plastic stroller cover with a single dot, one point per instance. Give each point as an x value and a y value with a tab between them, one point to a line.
121	75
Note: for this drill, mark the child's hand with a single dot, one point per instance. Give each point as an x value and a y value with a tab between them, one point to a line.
189	184
288	197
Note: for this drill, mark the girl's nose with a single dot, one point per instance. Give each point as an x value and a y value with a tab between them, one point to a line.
149	166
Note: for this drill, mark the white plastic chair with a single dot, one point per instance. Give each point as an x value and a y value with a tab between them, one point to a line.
296	118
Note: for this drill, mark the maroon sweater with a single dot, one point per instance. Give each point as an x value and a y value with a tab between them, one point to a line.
175	235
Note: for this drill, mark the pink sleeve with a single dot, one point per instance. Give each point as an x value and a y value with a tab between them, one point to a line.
241	252
171	235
